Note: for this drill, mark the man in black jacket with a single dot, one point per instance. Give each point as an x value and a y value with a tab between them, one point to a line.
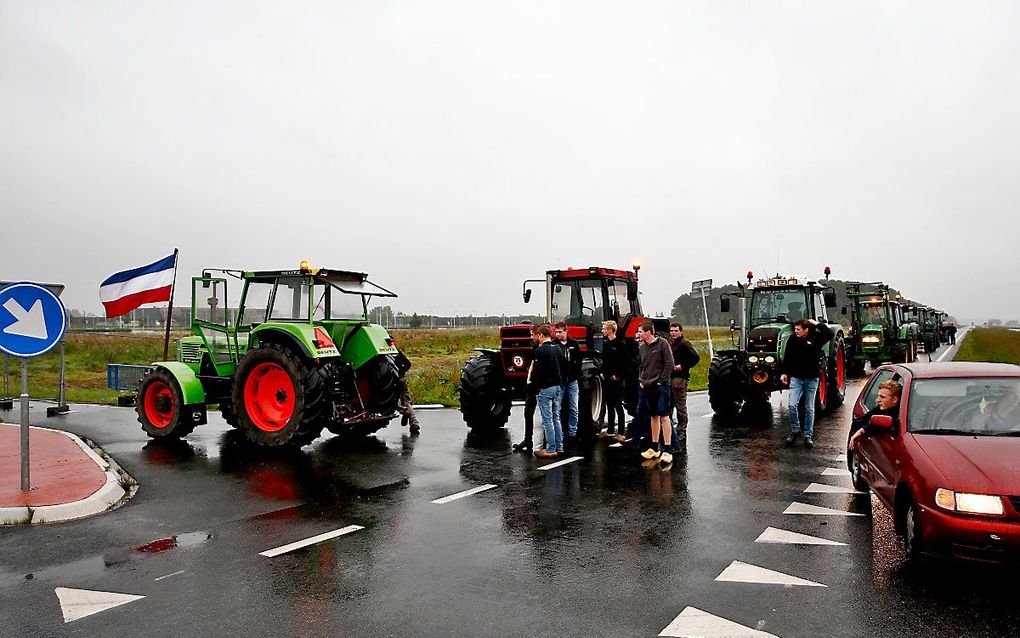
888	404
572	354
685	357
614	362
546	374
530	402
802	362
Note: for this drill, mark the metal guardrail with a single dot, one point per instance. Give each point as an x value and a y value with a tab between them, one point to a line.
125	378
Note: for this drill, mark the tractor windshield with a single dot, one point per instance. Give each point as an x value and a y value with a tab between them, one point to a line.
872	313
578	302
771	305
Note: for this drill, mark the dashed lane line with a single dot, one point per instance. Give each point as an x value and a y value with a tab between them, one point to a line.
559	463
739	572
814	510
695	623
459	495
836	471
822	488
310	541
786	537
169	575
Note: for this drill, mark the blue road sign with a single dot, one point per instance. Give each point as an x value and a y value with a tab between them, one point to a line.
32	320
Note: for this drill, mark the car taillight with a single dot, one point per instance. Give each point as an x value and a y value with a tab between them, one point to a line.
322	339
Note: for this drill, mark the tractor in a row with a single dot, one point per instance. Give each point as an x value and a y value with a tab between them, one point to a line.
744	376
879	332
929	324
582	298
296	355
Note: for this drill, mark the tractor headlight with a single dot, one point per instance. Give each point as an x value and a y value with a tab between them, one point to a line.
770	359
871	340
968	503
752	359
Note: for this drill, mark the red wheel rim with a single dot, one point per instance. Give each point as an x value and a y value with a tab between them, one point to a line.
365	390
823	387
840	370
159	404
269	397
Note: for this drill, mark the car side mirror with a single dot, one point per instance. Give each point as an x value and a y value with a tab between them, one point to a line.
724	304
830	298
883	421
527	295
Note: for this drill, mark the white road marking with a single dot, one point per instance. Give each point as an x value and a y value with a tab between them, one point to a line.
836	471
959	338
79	603
814	510
310	541
616	445
559	463
454	497
168	575
739	572
785	537
428	406
694	623
822	488
708	416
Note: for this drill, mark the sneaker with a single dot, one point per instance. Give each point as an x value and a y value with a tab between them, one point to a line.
619	438
603	434
665	458
808	443
559	451
650	454
543	454
523	446
792	438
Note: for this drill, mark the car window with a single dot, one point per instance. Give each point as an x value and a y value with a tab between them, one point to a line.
871	393
979	406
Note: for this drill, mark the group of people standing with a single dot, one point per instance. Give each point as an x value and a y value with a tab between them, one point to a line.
663	373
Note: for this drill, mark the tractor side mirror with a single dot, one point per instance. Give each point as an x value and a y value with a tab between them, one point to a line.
527	295
830	298
882	421
724	304
843	311
632	294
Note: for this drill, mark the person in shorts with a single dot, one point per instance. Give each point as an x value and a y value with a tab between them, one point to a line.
654	390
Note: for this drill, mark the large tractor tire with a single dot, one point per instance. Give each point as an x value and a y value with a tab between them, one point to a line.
229	414
725	387
280	397
837	376
380	380
160	406
591	407
482	403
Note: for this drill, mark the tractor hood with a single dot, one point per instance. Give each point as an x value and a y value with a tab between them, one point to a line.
770	338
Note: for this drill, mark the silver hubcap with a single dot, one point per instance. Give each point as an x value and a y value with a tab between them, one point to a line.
911	531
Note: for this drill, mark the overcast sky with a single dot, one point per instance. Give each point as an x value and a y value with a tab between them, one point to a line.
453	149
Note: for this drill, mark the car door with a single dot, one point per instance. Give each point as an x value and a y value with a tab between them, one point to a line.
867	448
883	450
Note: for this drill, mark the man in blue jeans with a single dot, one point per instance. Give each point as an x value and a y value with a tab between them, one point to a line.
802	363
546	376
571	377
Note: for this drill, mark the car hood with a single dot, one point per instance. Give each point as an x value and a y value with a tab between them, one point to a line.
979	464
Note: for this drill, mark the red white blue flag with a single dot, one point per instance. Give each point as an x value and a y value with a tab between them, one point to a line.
124	291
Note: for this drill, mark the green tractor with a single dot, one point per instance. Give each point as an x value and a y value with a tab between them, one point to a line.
928	323
879	331
297	355
744	376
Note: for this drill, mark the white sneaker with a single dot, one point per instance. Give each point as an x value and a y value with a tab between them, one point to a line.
666	458
650	454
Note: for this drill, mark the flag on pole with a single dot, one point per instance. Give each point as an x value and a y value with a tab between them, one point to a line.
124	291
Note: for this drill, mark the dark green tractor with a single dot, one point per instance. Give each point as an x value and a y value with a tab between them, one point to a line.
296	355
879	330
928	325
746	375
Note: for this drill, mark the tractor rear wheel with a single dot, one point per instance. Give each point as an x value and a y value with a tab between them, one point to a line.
484	405
160	406
228	413
380	380
837	376
725	392
279	396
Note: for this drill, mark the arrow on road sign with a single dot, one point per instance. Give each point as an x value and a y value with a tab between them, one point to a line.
27	323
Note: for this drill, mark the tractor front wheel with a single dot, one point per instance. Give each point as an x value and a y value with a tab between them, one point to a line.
160	406
279	397
484	405
725	391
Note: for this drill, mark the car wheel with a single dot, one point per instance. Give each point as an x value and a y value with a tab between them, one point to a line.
854	463
913	538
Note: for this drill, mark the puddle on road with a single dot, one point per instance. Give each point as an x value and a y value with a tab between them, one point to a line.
95	564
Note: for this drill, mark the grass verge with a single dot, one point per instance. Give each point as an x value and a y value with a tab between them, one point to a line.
998	345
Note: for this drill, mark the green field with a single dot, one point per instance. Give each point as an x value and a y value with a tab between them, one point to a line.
437	355
999	345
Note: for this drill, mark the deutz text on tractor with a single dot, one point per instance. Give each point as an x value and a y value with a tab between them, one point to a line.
747	374
296	355
583	298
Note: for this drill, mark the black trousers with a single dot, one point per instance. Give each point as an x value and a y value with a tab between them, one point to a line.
530	404
612	392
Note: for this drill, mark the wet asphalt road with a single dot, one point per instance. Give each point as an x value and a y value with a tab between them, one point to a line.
598	547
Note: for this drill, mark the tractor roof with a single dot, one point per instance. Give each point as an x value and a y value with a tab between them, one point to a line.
347	281
593	271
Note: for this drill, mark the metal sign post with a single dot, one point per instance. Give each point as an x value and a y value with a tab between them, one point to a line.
703	287
32	322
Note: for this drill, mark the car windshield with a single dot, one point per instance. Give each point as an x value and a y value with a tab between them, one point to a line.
981	406
769	305
873	313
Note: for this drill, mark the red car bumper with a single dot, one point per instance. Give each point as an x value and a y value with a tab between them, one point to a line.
971	538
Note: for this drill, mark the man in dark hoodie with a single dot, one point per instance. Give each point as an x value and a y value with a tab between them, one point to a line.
801	366
572	376
685	357
653	377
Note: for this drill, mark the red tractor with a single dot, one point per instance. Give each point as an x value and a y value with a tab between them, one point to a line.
583	298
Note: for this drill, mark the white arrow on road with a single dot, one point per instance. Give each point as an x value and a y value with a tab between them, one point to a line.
27	323
79	603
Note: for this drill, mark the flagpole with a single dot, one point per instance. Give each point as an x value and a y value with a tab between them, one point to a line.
170	311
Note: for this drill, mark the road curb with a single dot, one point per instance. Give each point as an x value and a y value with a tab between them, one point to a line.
112	494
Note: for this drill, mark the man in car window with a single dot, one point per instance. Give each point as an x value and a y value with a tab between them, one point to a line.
801	365
888	404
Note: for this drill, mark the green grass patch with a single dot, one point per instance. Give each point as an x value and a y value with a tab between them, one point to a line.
998	345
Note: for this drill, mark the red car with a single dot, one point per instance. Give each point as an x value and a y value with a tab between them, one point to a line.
949	469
